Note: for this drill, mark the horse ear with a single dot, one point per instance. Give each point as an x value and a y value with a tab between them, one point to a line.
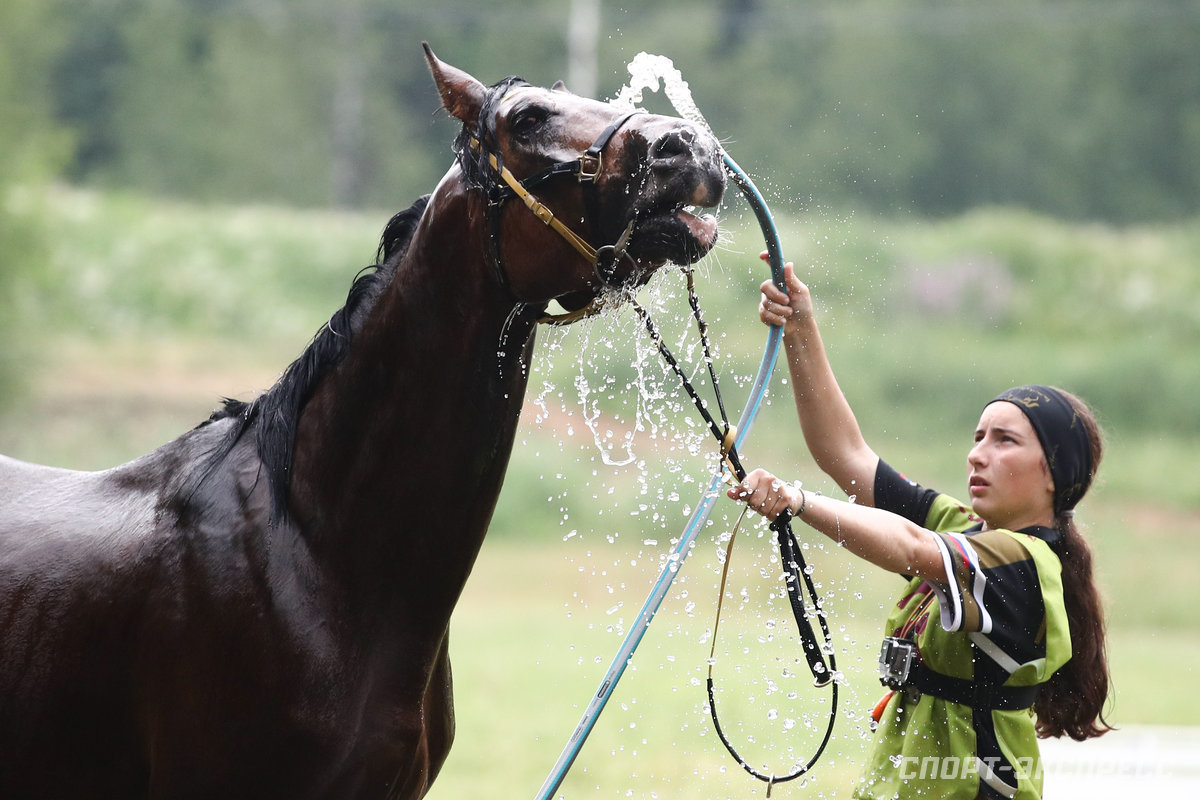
462	95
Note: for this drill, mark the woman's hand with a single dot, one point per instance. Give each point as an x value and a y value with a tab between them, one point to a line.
777	306
766	494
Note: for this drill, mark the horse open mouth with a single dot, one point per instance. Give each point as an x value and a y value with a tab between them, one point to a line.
703	227
681	234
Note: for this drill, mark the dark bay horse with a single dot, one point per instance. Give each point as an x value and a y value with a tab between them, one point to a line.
259	609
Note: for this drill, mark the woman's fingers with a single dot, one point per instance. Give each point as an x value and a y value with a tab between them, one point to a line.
771	312
778	305
763	492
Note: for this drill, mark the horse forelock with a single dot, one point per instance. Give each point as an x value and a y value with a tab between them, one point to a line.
276	413
473	161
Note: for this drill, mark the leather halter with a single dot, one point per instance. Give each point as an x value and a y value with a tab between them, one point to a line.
586	169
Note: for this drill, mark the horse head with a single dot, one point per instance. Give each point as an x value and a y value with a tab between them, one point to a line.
614	195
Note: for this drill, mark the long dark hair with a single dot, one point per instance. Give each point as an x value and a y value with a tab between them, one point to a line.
1072	702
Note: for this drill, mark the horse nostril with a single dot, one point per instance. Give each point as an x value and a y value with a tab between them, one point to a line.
672	145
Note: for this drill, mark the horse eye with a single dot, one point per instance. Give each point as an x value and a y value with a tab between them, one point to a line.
527	121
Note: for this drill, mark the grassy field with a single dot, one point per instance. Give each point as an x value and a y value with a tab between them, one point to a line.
148	312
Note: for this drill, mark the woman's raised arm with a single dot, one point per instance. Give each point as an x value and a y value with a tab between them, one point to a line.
831	431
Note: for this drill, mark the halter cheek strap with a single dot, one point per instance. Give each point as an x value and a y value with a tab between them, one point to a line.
586	169
542	212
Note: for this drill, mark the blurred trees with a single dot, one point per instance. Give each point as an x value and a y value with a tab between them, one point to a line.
31	147
1077	108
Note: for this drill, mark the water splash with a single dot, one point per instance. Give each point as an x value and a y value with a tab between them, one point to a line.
647	447
649	71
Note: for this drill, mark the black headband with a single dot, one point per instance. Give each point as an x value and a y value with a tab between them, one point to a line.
1063	436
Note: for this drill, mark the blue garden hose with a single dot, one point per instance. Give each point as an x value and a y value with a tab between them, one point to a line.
699	517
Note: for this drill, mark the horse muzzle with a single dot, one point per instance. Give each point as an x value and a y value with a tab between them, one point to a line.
685	175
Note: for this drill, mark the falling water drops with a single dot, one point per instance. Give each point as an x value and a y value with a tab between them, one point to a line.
629	459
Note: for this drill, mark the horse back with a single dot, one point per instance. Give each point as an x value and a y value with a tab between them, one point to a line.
69	546
104	594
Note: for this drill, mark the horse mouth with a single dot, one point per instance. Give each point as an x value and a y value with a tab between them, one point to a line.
702	227
681	234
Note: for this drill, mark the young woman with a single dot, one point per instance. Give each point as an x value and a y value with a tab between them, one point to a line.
1016	649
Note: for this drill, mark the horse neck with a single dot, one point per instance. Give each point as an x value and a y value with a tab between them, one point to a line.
401	451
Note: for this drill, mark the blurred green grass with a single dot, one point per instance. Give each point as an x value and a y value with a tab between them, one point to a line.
147	312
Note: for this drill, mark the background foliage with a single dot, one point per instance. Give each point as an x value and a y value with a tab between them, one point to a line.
32	146
1082	110
1079	109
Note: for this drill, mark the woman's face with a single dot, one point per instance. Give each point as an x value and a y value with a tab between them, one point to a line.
1007	475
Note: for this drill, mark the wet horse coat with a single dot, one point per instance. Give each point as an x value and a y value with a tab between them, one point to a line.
260	607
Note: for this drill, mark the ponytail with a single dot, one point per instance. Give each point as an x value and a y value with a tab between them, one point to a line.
1072	701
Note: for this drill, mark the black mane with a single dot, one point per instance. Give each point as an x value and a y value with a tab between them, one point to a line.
276	413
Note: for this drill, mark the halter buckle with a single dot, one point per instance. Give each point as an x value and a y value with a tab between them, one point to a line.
595	162
542	212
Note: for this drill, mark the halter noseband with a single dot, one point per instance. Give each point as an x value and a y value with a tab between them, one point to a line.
586	169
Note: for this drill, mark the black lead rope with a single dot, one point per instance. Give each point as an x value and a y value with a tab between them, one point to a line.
796	571
722	431
694	302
